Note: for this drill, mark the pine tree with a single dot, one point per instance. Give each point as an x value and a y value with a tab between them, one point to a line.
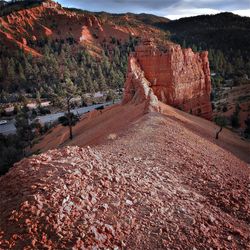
235	119
221	122
44	73
184	45
4	97
101	79
1	72
95	86
10	70
89	82
67	92
36	69
21	73
194	48
28	69
38	97
82	86
106	65
23	127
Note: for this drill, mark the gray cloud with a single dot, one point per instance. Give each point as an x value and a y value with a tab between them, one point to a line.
158	7
122	5
222	4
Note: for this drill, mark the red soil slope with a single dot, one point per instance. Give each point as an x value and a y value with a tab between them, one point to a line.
156	182
96	127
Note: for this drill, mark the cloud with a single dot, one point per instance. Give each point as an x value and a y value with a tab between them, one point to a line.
222	5
122	5
176	14
242	12
172	9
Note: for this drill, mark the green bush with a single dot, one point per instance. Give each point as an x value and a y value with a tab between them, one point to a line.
64	120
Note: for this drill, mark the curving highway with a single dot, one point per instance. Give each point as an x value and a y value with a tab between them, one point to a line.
10	128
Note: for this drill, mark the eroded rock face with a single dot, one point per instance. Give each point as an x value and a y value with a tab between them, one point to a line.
138	87
50	19
178	77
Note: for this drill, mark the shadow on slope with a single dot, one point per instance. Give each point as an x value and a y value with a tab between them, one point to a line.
99	127
207	129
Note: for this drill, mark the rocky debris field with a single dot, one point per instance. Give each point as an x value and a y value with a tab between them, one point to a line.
156	186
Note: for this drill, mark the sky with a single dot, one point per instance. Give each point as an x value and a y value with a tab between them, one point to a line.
172	9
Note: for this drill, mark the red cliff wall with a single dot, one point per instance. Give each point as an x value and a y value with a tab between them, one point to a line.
178	77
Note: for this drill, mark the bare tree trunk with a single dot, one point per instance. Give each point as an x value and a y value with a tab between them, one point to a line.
217	134
29	140
70	120
70	132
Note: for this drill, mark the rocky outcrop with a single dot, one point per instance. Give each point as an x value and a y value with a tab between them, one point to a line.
137	88
178	77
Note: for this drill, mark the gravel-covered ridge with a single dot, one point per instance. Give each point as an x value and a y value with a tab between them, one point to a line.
157	186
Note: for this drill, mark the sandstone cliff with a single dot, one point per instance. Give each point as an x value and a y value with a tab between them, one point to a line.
138	88
178	77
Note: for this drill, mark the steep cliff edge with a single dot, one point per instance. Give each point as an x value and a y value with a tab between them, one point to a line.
178	77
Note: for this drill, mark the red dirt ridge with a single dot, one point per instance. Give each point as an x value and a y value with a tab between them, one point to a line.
156	185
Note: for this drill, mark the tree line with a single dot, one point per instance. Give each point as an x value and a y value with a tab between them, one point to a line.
22	73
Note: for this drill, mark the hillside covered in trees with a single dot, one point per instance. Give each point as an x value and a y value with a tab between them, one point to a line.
21	72
43	43
226	36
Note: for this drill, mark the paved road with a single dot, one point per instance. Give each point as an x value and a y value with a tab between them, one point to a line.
10	128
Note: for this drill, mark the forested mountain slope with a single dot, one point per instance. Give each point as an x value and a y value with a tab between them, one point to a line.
37	35
225	35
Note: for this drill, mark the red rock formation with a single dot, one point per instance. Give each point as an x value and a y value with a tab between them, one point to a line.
178	77
137	88
50	19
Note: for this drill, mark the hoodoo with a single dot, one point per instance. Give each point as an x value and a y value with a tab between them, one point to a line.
178	77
